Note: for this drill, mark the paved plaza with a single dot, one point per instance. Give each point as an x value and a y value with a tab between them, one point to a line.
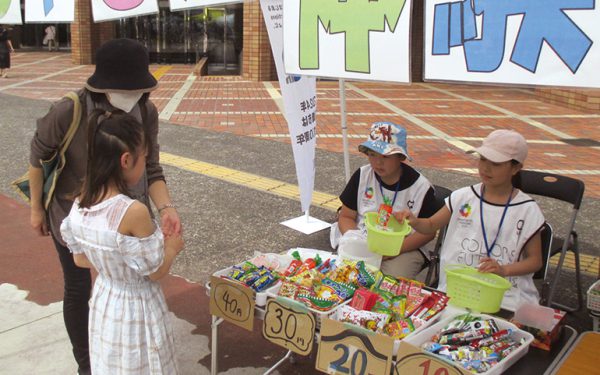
225	150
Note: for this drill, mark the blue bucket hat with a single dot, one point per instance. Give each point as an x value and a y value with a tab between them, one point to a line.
386	138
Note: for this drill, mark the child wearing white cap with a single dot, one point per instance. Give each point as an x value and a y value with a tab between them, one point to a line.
386	179
492	225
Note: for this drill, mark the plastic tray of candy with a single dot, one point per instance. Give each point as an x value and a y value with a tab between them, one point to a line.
319	315
422	327
423	336
278	261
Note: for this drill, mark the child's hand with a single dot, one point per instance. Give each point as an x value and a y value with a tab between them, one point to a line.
405	214
492	266
174	242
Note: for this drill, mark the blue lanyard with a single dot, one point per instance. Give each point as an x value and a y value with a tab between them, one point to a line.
395	192
487	247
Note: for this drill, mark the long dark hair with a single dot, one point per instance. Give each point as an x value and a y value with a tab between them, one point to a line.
110	134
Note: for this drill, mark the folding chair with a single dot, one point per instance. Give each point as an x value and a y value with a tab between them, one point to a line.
569	190
546	233
433	271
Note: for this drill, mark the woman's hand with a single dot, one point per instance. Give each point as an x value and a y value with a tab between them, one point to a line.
492	266
170	223
38	221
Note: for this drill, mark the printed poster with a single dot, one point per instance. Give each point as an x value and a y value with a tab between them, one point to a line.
50	11
106	10
10	12
300	104
531	42
355	39
188	4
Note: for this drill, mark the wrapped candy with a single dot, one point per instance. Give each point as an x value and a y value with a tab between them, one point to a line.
399	329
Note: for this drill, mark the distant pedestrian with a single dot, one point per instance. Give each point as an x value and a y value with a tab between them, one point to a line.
50	38
6	49
129	330
122	80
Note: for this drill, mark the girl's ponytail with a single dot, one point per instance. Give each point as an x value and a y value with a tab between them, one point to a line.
110	135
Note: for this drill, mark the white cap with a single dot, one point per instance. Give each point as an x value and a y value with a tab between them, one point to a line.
503	145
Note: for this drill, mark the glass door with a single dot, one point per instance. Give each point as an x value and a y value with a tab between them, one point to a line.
224	39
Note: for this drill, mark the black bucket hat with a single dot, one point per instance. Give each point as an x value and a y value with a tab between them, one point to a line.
121	66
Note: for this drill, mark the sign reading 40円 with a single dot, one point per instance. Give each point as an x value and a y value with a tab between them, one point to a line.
232	301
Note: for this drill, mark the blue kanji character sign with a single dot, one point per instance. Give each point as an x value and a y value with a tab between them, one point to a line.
493	34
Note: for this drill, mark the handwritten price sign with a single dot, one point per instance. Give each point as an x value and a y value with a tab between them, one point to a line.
345	351
411	360
284	326
232	301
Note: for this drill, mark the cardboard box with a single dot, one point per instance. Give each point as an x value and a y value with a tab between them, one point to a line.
544	323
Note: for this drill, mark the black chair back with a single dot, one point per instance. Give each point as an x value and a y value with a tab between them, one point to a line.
566	189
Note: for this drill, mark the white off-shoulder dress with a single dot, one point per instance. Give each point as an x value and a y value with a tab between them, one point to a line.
129	327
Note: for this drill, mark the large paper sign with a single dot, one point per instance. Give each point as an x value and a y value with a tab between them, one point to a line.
300	103
345	351
289	327
10	12
105	10
232	301
188	4
356	39
49	11
533	42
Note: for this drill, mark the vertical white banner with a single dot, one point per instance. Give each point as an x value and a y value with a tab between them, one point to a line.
50	11
300	104
106	10
10	12
189	4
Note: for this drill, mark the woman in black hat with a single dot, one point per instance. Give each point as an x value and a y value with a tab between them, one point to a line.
121	81
6	49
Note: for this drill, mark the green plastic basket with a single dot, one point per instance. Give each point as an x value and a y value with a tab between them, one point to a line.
481	292
385	242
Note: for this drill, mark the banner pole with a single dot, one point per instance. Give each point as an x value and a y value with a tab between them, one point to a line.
344	128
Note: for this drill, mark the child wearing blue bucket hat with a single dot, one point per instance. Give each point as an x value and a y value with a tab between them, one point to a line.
492	225
386	179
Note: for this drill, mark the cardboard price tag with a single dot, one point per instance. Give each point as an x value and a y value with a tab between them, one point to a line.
411	360
232	301
347	351
289	328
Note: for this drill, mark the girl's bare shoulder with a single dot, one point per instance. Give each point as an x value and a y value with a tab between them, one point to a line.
137	221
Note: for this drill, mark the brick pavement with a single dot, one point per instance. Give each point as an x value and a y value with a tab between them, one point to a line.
458	113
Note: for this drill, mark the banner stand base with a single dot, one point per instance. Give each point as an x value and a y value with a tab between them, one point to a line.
306	225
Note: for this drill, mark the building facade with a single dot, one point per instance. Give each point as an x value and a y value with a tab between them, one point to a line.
233	38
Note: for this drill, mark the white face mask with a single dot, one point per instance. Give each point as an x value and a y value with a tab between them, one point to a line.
123	101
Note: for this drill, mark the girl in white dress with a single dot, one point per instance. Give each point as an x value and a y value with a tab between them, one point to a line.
492	225
129	327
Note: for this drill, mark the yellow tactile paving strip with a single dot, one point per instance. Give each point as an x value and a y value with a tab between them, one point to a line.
279	188
589	263
158	73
